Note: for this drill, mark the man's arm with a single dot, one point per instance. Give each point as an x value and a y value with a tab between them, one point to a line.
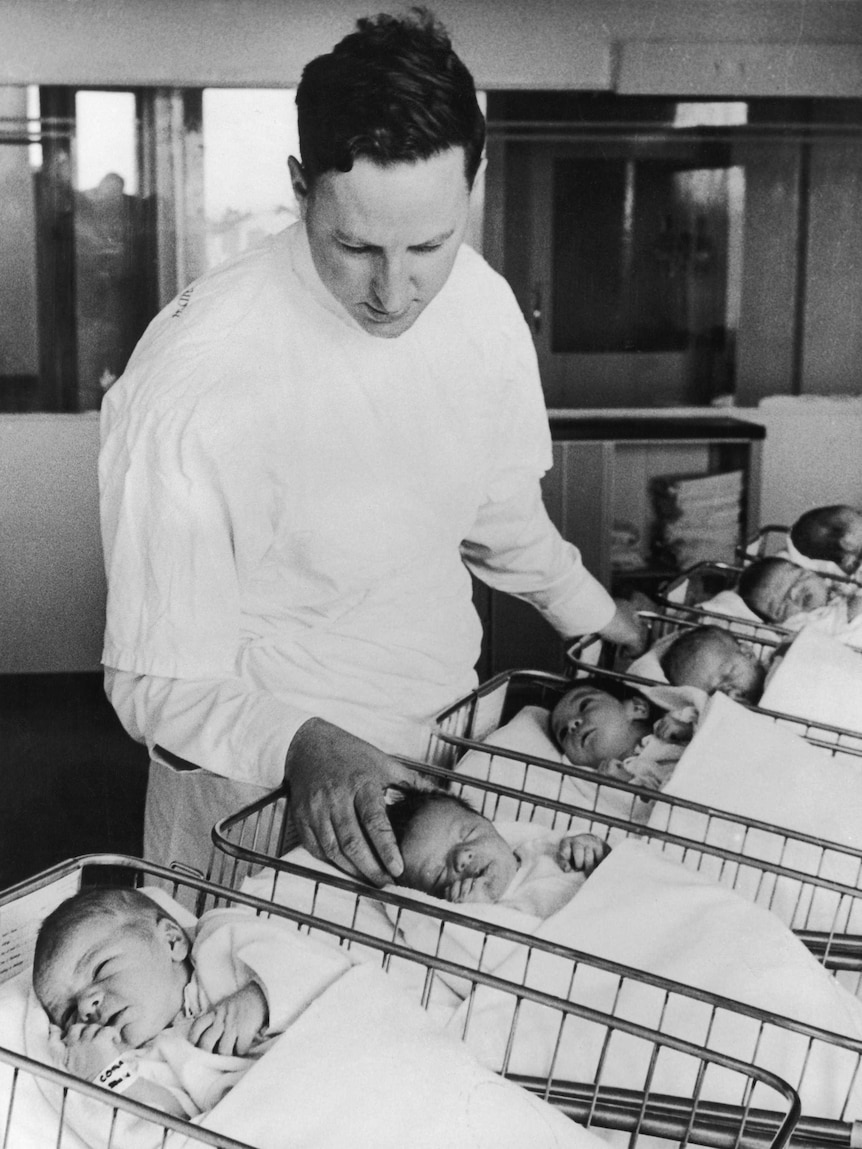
514	547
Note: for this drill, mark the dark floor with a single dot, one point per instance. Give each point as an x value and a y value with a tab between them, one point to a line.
73	781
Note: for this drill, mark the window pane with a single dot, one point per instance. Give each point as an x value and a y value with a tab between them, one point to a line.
110	267
248	135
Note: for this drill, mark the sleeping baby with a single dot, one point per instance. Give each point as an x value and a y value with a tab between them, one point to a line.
455	853
788	595
828	540
143	1009
712	659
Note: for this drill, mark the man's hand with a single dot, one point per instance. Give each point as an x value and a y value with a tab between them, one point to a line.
626	629
90	1047
232	1025
581	852
337	784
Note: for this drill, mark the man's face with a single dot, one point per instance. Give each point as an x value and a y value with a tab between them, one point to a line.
384	239
591	725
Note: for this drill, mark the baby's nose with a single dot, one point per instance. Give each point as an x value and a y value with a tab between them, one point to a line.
90	1005
461	858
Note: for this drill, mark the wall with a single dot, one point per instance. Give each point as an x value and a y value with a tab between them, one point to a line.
52	583
777	47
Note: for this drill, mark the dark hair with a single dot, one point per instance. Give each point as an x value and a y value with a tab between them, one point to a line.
616	688
411	802
392	91
753	580
120	902
686	644
817	534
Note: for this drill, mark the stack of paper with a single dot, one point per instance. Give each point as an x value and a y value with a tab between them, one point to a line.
697	518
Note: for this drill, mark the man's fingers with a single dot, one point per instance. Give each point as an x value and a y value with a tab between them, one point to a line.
359	841
371	809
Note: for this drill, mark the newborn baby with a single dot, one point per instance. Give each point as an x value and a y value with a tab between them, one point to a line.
828	539
453	852
623	735
712	659
781	592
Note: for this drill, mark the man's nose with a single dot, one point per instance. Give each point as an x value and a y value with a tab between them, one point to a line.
391	285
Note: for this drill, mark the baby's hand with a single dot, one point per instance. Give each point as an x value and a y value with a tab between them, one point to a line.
581	852
90	1047
672	728
613	768
232	1026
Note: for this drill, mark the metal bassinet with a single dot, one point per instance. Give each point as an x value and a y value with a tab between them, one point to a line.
764	1116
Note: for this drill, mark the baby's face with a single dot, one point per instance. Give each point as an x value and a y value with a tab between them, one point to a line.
123	974
591	725
456	854
851	543
790	590
721	664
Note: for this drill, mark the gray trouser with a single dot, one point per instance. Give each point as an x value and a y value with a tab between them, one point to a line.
183	804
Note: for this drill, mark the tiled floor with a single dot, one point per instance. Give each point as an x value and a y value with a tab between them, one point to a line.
73	781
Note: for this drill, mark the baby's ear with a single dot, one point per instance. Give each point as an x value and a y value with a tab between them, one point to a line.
176	938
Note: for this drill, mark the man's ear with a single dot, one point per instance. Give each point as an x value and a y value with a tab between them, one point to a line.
176	938
299	183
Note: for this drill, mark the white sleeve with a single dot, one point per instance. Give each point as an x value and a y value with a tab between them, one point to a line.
220	726
514	547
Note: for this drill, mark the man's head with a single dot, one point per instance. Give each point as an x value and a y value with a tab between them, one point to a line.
831	534
776	589
592	722
391	138
714	660
114	957
449	849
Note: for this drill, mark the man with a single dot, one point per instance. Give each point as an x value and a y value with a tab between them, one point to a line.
306	449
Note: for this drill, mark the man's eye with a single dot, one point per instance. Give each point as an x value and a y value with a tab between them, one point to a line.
428	247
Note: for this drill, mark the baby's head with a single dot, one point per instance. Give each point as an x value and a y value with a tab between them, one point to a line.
115	957
776	589
449	849
600	719
714	660
830	534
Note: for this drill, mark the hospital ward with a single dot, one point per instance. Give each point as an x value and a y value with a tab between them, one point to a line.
431	582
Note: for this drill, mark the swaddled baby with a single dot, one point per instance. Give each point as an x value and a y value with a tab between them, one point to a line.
452	851
828	540
791	596
621	733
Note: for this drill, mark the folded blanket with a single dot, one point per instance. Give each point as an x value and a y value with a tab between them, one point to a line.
363	1066
819	679
745	763
640	909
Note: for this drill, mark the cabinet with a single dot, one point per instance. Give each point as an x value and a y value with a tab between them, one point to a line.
602	469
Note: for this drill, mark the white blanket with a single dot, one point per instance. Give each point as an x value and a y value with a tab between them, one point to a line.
642	910
820	679
745	763
363	1066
